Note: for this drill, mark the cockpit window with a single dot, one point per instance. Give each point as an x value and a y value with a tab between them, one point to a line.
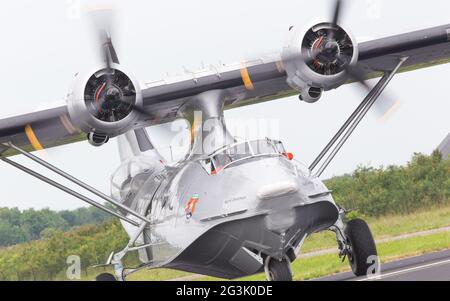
279	147
229	155
262	147
130	175
232	154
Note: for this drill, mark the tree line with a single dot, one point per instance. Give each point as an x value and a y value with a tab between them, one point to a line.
18	226
423	183
45	259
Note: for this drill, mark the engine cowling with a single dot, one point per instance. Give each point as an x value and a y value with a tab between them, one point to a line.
103	102
315	59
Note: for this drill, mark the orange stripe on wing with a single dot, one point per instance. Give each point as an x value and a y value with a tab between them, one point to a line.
32	138
246	78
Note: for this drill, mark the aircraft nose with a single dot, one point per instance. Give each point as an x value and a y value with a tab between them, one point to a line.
276	190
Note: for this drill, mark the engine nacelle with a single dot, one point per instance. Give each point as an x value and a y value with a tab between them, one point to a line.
315	59
103	102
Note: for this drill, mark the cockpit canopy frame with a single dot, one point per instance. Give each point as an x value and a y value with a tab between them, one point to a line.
239	152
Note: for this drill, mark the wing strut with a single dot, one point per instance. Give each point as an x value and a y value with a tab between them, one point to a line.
354	120
75	181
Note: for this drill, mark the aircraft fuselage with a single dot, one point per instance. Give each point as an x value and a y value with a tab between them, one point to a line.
224	221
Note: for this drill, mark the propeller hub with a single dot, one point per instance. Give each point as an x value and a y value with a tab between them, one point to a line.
328	49
110	97
332	49
325	52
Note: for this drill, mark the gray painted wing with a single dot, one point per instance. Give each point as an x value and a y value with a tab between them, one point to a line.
42	129
424	48
247	83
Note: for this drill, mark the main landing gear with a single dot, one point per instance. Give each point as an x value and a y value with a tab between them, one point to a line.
361	249
355	241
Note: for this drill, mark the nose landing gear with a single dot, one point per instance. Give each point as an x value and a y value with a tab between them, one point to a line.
105	277
277	270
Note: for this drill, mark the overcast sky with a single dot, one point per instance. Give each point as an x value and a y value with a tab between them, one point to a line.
44	43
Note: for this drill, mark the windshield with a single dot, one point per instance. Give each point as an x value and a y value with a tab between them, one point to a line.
131	175
232	154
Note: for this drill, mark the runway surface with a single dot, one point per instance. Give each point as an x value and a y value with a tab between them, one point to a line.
429	267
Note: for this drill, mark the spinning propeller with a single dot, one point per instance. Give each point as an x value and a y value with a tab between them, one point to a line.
110	94
329	51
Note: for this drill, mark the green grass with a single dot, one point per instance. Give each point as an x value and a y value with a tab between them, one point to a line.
384	227
160	275
145	275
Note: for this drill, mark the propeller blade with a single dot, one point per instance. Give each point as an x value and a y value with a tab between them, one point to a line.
336	14
135	108
109	52
357	73
102	20
385	106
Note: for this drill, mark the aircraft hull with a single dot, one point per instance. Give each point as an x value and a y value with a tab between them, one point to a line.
223	251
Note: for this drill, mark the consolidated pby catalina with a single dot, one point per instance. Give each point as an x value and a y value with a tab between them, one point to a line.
232	207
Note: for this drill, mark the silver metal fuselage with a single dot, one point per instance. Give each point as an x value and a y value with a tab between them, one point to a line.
225	223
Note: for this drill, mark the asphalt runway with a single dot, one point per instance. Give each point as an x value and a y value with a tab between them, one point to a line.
429	267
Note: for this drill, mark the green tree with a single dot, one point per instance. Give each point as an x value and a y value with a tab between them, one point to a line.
11	234
34	222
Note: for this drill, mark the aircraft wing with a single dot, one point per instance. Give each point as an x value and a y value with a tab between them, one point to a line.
39	130
248	83
424	48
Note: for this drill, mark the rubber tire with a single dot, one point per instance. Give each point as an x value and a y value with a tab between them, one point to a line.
363	246
105	277
280	270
